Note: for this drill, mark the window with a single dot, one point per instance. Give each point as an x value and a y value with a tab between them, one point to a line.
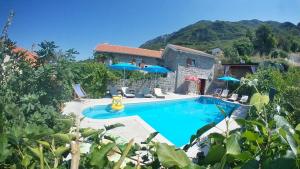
190	62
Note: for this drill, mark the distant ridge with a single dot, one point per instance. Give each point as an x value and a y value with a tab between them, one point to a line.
205	35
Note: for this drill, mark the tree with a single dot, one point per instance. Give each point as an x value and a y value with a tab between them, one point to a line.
295	47
264	40
244	46
47	52
250	35
232	55
284	43
101	57
70	54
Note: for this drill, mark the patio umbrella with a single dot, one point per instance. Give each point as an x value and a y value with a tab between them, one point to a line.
124	67
155	69
193	79
228	78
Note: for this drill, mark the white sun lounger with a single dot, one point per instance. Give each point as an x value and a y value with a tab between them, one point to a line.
244	99
124	92
158	93
114	92
146	93
217	92
233	97
225	93
80	93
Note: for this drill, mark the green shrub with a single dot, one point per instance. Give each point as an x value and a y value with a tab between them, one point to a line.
93	77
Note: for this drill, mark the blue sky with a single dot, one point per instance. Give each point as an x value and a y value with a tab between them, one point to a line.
82	24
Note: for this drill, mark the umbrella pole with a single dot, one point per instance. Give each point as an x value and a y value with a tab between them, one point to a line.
227	85
155	80
123	77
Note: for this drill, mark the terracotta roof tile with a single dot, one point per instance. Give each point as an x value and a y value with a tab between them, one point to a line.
29	56
128	50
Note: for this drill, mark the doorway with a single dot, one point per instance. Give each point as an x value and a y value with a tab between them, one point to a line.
201	86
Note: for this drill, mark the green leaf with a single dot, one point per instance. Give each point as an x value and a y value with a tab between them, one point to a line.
170	157
243	156
216	137
215	154
109	127
259	101
193	166
26	160
298	127
86	132
62	137
99	155
67	122
197	135
280	163
150	138
251	136
44	143
4	147
251	164
285	129
232	145
124	154
36	152
61	150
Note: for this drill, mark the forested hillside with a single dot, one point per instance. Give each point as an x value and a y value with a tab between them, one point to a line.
205	35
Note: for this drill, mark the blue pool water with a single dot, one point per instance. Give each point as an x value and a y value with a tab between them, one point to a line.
176	120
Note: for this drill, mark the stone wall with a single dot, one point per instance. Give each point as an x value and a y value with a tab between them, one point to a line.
167	84
177	62
184	86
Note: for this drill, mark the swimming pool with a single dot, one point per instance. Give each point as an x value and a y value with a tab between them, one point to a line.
176	120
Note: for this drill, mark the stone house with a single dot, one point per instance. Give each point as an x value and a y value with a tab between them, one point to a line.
180	60
189	62
126	54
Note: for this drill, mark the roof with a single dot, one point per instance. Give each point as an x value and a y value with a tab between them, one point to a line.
240	64
189	50
29	56
128	50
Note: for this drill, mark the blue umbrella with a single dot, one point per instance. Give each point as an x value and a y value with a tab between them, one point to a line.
228	78
156	69
124	67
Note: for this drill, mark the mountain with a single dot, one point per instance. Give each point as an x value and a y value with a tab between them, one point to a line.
206	35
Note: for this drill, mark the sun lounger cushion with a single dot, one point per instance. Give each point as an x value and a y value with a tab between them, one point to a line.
218	92
225	93
158	93
146	93
233	97
244	99
124	91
